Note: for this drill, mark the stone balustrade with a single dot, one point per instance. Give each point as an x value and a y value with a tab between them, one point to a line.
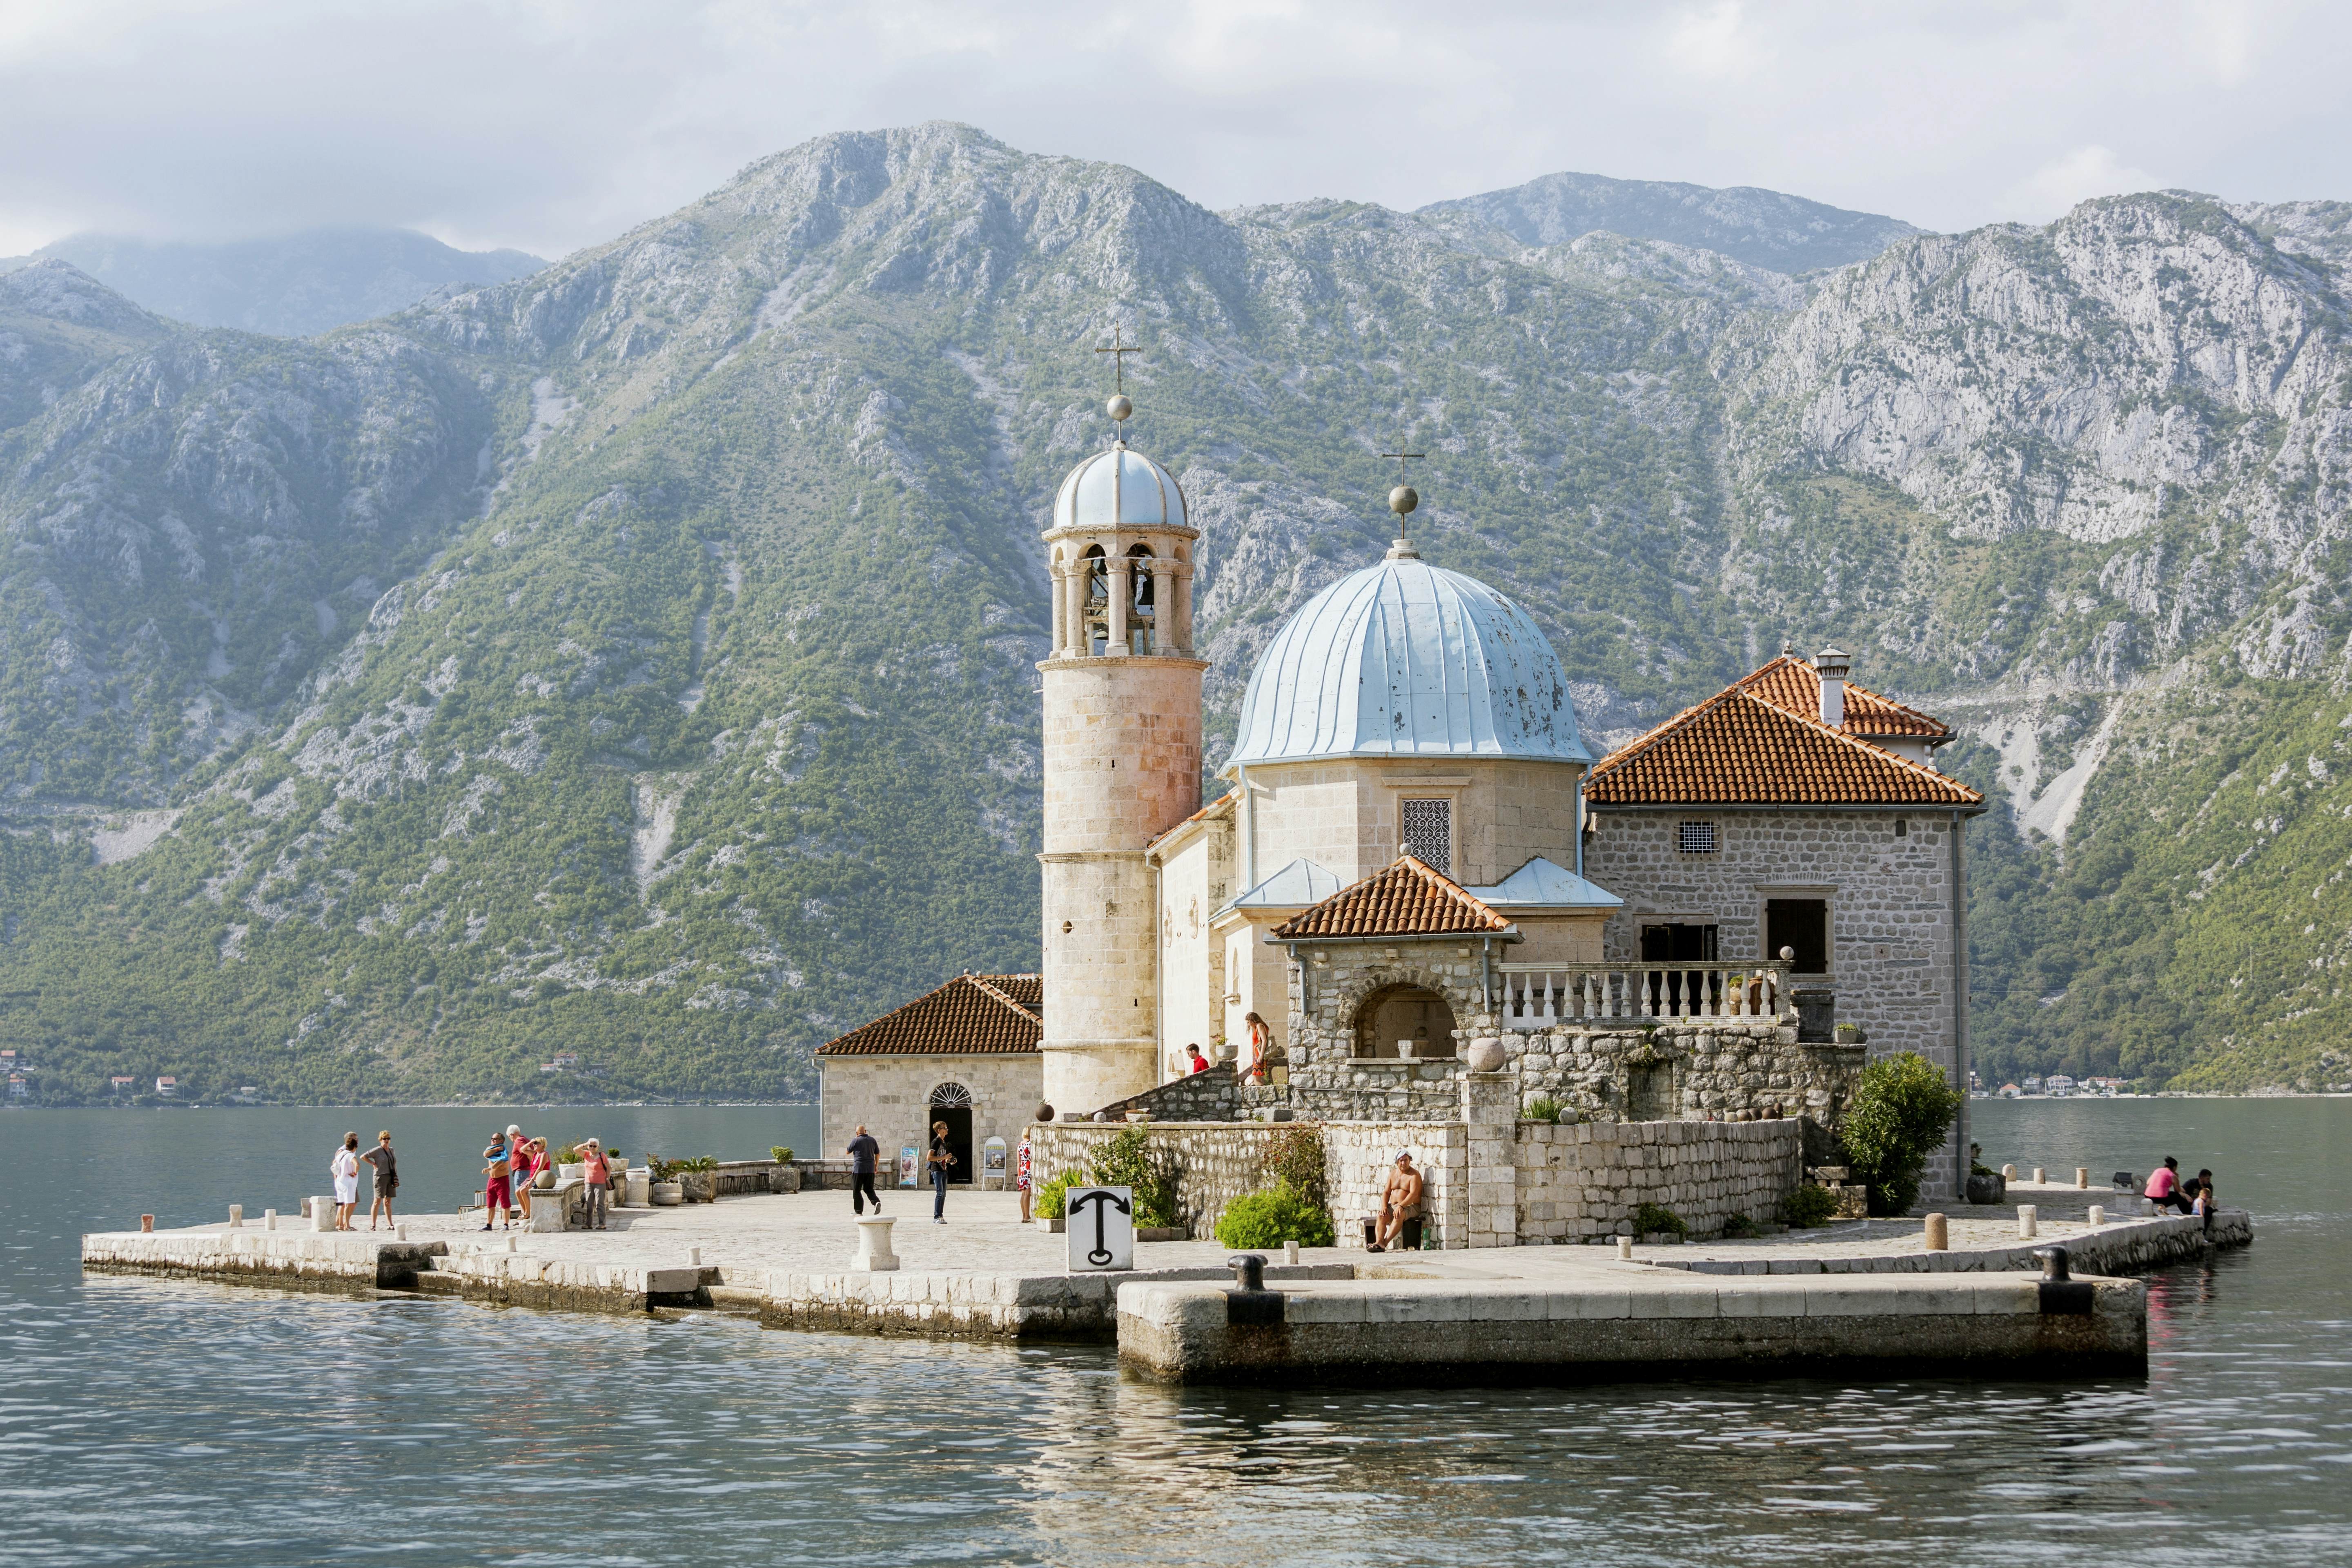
1608	996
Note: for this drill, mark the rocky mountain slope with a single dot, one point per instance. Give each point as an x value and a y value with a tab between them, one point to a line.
635	659
290	285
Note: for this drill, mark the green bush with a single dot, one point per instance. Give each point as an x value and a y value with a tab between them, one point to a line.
1052	1199
1739	1227
1295	1154
1807	1208
1542	1108
1898	1116
1658	1218
1130	1160
1273	1216
781	1153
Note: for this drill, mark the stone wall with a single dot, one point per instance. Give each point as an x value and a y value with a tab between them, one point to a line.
1721	1070
892	1096
1583	1182
1897	949
1212	1095
1215	1161
1359	1155
1331	985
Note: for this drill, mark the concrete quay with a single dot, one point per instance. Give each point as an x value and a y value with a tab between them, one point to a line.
1853	1298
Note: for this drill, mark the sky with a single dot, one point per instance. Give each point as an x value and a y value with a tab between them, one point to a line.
548	125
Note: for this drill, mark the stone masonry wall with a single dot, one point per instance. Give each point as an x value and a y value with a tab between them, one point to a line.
1722	1070
1896	947
1583	1182
891	1095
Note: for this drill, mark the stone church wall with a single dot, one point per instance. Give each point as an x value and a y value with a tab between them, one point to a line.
1583	1182
1723	1070
891	1095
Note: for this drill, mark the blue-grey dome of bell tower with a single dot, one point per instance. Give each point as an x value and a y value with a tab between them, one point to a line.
1406	659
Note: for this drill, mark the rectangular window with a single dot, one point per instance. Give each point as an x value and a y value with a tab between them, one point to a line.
1698	838
1670	943
1901	828
1802	926
1429	833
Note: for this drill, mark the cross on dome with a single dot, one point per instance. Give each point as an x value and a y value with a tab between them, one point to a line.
1120	407
1403	500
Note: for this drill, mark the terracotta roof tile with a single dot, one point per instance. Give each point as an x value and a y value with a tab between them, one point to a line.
1739	749
1408	899
973	1014
1792	683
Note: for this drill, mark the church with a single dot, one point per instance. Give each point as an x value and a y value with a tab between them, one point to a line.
1419	874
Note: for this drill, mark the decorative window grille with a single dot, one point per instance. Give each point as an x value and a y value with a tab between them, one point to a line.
1698	838
1429	833
951	1094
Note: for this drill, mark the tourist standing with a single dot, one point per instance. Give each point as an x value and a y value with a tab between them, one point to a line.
940	1159
865	1159
1260	1036
1020	1173
387	1178
497	1197
599	1176
528	1155
2163	1186
345	1168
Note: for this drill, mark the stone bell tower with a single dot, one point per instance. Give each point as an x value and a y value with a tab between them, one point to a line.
1122	764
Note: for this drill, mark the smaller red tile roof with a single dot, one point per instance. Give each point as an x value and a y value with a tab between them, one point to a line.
1408	899
973	1014
1737	749
1793	684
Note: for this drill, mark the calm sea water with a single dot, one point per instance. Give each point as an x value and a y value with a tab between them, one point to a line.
148	1423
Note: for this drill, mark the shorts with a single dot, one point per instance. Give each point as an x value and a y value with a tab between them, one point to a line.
496	1193
347	1189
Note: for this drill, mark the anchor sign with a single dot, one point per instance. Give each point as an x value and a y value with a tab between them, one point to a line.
1109	1241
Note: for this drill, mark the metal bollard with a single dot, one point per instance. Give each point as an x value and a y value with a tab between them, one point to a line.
2054	1264
1249	1270
2027	1222
2098	1216
1937	1235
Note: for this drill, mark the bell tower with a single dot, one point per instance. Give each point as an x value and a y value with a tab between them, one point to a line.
1122	762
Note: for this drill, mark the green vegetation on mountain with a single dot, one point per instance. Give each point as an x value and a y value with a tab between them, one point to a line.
632	662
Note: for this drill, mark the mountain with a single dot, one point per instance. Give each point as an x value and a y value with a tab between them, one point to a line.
1761	228
635	659
289	286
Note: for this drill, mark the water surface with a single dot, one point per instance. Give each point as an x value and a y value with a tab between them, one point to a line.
145	1422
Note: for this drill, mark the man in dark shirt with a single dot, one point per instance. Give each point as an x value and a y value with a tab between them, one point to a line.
863	1154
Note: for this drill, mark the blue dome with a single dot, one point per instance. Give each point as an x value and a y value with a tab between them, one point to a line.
1406	659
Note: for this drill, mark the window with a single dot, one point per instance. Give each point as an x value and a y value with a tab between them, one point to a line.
1901	828
1698	838
1802	925
1429	833
1668	944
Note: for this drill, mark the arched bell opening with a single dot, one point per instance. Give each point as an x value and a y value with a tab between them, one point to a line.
1098	606
1397	1016
1141	625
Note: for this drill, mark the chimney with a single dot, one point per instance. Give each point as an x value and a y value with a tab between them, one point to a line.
1832	665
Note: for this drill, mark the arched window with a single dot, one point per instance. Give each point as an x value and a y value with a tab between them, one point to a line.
951	1094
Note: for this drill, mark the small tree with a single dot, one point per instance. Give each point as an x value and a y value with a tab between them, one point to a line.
1898	1115
1295	1155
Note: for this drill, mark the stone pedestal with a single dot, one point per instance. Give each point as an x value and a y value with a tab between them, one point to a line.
322	1213
1490	1106
638	1188
874	1254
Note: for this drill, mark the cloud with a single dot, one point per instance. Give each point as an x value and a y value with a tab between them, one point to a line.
551	124
2085	172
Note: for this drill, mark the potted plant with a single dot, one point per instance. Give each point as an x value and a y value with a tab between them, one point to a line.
1851	1035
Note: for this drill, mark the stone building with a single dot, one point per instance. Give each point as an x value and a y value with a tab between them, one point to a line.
1444	912
965	1054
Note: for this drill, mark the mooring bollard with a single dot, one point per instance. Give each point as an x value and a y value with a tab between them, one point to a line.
510	1242
1938	1234
237	1216
2082	1176
322	1213
400	1231
2053	1264
2098	1216
146	1222
1290	1252
694	1257
2009	1172
2041	1176
1625	1250
1249	1270
874	1251
2027	1222
269	1219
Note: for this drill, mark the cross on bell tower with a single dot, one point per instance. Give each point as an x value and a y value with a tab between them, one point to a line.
1402	500
1120	409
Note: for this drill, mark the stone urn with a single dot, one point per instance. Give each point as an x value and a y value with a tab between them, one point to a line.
1986	1187
1487	1055
666	1195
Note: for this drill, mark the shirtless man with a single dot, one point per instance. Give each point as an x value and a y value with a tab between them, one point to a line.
1400	1201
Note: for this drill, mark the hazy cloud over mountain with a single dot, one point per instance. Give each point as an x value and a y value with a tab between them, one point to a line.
550	126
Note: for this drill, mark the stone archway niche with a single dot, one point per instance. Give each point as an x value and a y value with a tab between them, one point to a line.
1406	1012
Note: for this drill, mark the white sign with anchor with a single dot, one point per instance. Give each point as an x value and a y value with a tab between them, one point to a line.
1100	1222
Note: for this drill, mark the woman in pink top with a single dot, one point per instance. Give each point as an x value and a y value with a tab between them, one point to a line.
2163	1186
600	1185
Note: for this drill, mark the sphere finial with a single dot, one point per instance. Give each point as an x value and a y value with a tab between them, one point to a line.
1120	407
1403	500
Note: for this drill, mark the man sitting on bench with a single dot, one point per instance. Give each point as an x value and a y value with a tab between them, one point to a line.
1400	1201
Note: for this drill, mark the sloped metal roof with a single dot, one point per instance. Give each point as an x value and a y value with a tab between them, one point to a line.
1540	883
1119	489
1406	659
1295	887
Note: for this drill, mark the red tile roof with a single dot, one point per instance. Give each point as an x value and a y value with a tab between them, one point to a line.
1739	749
973	1014
1408	899
1792	683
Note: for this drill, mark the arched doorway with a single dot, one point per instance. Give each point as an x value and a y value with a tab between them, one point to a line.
951	1103
1406	1012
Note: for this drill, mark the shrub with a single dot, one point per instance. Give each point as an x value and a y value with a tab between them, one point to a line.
1658	1218
1130	1160
1542	1108
1898	1116
1053	1199
568	1154
1295	1154
1273	1216
1807	1208
781	1153
1739	1227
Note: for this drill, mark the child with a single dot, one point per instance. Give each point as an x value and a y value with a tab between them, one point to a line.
495	1194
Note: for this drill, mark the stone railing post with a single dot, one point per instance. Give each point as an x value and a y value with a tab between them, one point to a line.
1490	1109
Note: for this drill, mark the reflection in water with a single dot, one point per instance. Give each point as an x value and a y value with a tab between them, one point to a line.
147	1421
